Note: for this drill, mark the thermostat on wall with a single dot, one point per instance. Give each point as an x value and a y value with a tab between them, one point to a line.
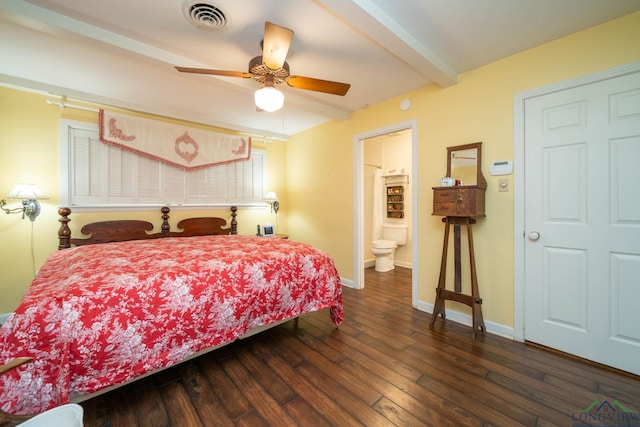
504	167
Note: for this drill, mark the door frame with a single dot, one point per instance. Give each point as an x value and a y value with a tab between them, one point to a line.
358	200
519	231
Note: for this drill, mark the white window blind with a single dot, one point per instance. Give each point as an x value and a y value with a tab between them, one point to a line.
97	174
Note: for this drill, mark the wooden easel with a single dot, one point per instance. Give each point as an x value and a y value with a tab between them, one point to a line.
442	294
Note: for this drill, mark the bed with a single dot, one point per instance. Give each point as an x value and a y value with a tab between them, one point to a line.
124	302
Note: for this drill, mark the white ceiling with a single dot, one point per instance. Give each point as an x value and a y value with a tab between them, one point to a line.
123	52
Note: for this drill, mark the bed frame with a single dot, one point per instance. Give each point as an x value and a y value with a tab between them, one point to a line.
126	230
123	230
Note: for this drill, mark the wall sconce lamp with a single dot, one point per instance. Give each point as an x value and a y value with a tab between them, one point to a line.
272	199
29	193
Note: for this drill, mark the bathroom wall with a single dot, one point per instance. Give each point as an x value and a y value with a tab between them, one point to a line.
387	152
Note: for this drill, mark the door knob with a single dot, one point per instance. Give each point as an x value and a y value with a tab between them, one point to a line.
534	235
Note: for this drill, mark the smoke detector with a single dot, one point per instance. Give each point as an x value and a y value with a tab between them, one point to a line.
205	15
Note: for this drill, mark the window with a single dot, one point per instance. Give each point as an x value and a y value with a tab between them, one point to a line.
99	175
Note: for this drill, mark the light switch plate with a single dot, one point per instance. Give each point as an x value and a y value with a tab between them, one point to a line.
503	185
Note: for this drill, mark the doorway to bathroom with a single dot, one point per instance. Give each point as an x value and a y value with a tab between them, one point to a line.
387	201
385	159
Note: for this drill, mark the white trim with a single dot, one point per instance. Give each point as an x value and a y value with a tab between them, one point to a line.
358	209
466	319
347	283
519	181
399	264
156	208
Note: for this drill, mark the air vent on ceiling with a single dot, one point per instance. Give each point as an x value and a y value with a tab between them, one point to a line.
205	16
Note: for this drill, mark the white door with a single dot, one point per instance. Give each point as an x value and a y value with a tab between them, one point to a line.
582	221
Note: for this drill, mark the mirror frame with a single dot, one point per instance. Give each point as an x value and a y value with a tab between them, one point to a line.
480	181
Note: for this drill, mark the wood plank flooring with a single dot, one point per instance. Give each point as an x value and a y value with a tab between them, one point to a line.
383	366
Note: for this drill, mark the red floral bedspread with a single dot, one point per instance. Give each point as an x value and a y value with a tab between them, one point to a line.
100	315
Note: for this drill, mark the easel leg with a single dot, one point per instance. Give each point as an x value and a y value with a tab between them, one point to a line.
438	307
476	308
457	259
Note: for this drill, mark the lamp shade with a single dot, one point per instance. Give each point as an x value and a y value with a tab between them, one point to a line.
271	196
26	192
269	99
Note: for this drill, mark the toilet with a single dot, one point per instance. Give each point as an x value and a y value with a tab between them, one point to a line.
393	235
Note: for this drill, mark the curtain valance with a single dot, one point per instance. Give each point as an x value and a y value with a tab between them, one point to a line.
181	146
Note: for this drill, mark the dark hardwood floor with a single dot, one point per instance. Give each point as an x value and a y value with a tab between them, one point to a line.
384	366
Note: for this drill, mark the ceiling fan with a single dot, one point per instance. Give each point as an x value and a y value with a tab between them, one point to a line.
271	69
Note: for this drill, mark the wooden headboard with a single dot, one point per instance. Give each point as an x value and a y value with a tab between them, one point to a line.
123	230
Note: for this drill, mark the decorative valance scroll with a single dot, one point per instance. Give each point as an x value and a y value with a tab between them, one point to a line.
180	146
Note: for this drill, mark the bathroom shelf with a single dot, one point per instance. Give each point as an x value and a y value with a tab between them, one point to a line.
395	201
396	179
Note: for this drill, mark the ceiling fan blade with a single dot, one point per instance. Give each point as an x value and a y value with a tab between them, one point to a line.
214	72
275	45
318	85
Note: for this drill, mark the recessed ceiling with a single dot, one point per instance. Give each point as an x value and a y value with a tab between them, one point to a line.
123	52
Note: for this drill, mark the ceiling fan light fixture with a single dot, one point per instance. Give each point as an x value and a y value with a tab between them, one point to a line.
269	99
271	69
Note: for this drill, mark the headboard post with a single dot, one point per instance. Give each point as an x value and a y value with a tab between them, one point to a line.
234	223
166	227
64	232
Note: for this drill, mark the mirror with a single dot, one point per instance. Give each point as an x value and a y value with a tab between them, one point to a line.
464	164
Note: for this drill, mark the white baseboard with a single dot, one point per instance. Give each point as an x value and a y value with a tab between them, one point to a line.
347	282
465	319
368	263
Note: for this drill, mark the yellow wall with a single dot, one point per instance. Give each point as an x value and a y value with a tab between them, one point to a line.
313	173
29	153
29	149
479	108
